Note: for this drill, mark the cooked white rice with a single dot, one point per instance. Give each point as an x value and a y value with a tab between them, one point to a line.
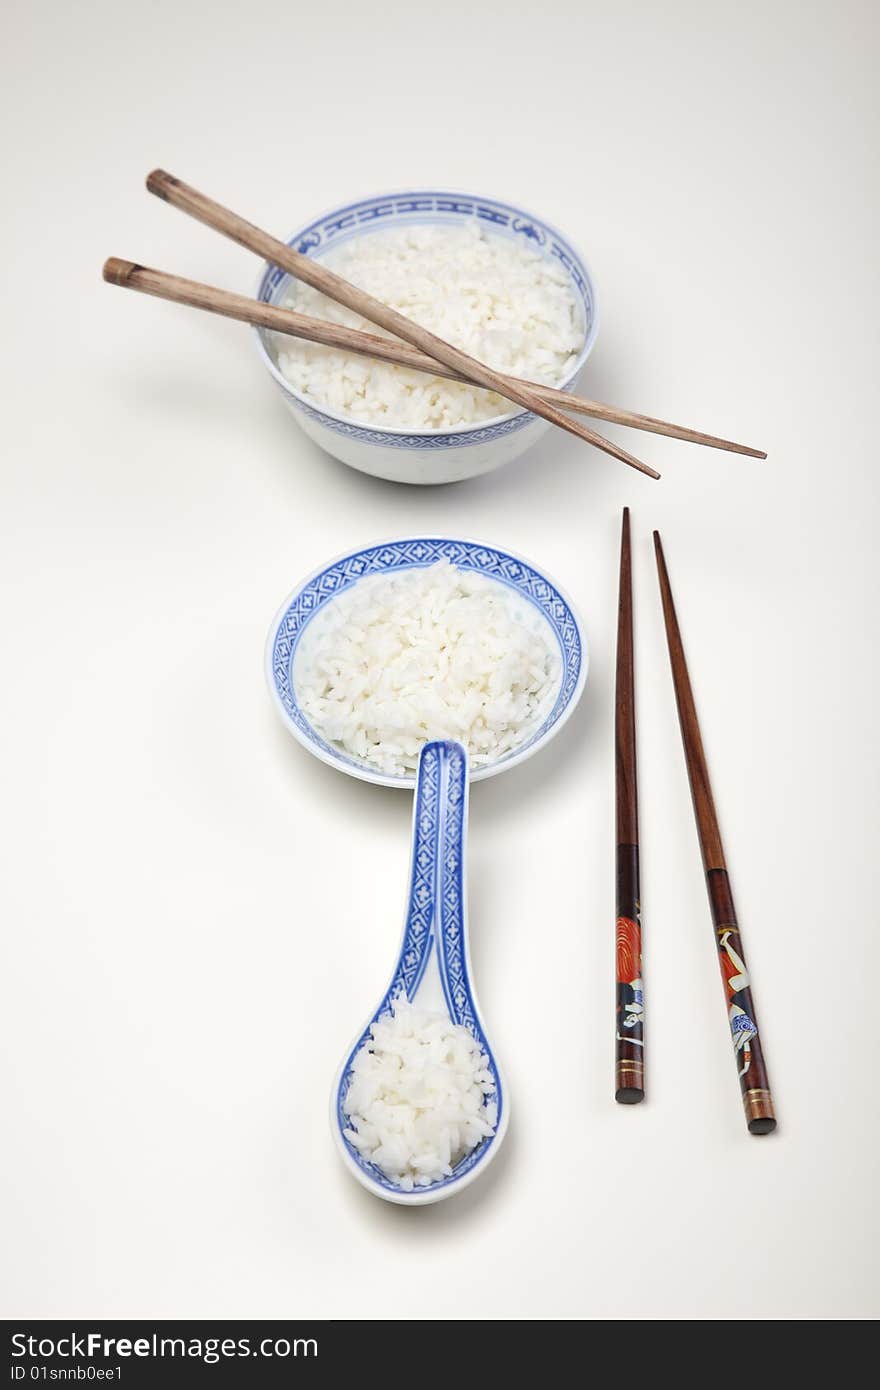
421	654
417	1100
504	302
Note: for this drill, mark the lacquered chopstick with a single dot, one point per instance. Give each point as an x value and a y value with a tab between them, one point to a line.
629	1043
196	295
748	1052
312	272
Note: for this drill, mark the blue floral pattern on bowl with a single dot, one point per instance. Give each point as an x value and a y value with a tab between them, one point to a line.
420	552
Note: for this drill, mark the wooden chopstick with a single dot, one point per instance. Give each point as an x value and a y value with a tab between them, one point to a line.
629	1044
312	272
178	290
754	1082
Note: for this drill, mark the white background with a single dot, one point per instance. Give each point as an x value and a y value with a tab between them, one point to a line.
197	915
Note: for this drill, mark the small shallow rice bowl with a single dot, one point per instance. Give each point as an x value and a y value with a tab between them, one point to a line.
540	601
441	455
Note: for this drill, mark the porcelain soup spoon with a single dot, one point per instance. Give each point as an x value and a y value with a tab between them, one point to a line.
433	967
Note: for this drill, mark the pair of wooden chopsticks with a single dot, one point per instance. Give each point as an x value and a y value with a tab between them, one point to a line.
630	1042
420	349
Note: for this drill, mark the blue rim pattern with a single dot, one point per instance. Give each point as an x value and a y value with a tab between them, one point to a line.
435	918
418	553
428	206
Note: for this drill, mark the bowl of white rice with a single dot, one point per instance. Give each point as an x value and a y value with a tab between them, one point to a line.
407	641
491	278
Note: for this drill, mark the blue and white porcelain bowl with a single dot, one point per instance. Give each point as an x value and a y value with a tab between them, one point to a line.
438	456
550	601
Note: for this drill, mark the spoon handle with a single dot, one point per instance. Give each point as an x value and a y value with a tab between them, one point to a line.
452	941
420	927
437	912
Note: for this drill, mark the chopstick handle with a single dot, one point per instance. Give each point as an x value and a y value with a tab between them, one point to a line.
181	195
748	1053
755	1087
629	1043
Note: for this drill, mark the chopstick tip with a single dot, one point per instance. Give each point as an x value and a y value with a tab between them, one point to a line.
747	450
660	559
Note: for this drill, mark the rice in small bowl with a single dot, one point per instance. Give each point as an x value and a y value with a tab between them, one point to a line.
492	279
411	640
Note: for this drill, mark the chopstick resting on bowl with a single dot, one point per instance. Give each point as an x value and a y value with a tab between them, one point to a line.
240	307
747	1049
629	1038
312	272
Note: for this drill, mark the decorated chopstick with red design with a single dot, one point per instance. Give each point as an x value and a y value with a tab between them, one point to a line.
753	1079
629	1043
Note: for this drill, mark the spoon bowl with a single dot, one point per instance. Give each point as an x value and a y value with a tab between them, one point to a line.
433	966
